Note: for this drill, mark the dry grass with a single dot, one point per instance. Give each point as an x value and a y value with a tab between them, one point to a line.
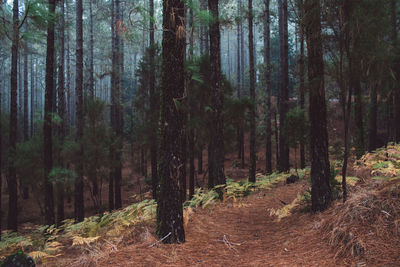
367	225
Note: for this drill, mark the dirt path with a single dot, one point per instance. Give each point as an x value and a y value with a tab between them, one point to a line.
256	238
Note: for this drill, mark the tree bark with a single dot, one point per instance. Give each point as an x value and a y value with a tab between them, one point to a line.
79	200
169	208
267	60
61	112
301	79
284	83
216	171
320	168
252	169
153	106
47	126
12	223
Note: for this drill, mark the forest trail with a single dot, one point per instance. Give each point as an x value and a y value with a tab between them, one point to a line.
252	237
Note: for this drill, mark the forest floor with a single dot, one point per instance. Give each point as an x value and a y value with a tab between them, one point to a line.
233	233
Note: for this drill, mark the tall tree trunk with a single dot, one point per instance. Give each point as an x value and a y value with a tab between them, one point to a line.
267	60
252	169
191	115
169	208
79	200
111	204
200	160
242	64
153	106
32	103
301	79
217	132
12	223
396	88
91	48
284	85
118	109
320	169
61	113
47	125
68	84
238	80
26	134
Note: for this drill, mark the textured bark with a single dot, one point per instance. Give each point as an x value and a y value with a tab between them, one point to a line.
191	130
79	200
284	83
153	106
91	47
12	176
267	60
111	204
252	169
47	125
396	67
301	78
61	112
32	103
118	109
26	114
320	170
216	170
169	208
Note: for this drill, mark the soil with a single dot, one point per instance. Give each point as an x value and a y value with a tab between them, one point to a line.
241	233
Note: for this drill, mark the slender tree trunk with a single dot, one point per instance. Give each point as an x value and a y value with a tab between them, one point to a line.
153	106
61	113
118	109
238	81
320	169
79	200
242	64
284	86
252	169
26	135
111	204
301	79
12	223
191	130
91	48
217	135
169	208
32	103
267	60
47	126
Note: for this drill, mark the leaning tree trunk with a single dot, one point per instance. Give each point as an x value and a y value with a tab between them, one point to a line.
252	169
12	223
79	200
284	85
320	169
169	208
217	132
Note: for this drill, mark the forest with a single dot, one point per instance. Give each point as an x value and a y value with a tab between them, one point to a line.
194	132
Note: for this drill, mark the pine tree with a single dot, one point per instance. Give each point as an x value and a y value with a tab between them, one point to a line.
169	208
216	168
12	176
79	200
252	170
284	85
320	168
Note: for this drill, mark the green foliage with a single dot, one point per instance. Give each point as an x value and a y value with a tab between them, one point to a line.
60	175
335	184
